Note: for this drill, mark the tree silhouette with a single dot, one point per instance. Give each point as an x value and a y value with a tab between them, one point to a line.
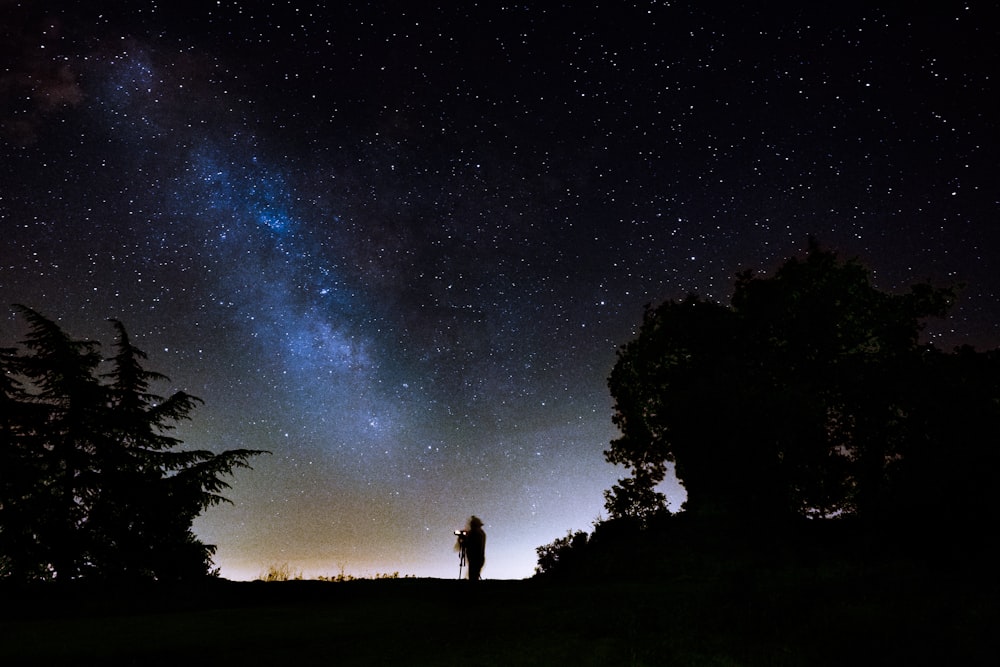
634	500
98	488
60	437
803	397
560	556
20	466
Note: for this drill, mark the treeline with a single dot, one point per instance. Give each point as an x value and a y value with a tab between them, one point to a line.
92	484
810	396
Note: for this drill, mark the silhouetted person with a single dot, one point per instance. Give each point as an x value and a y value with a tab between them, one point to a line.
475	547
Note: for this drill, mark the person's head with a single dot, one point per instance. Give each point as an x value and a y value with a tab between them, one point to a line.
475	522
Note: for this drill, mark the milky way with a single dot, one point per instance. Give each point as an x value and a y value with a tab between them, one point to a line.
398	247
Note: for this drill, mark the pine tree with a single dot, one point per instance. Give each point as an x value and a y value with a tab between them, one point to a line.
152	491
63	435
98	487
19	466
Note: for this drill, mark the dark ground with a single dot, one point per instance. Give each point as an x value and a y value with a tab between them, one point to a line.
804	613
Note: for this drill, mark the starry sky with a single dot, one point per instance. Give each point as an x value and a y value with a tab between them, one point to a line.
398	244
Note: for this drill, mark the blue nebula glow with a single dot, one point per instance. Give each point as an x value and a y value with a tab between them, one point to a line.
289	299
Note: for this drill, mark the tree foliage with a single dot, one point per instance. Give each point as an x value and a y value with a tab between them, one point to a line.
560	555
633	500
92	484
810	394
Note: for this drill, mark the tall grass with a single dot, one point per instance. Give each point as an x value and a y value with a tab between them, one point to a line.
283	572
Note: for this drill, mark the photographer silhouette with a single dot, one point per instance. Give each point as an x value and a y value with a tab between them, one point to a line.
472	547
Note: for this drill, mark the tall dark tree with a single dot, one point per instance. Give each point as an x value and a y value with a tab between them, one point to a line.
20	465
105	491
135	524
847	361
680	398
119	521
68	409
795	399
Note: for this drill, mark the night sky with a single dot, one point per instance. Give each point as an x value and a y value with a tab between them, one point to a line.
399	244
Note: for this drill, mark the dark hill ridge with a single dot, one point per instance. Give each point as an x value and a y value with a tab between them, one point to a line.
92	598
731	611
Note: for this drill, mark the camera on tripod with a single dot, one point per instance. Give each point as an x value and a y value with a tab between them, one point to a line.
461	534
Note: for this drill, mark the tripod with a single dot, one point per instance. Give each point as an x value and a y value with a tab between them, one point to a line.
461	555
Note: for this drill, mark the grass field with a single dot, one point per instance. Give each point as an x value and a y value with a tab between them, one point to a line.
897	615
